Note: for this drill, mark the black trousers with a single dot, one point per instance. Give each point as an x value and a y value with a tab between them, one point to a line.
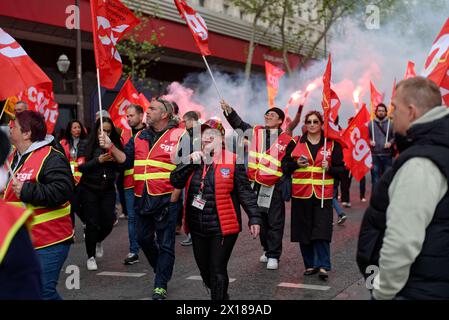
212	256
345	186
99	210
272	228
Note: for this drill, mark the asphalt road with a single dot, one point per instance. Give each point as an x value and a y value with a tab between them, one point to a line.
250	280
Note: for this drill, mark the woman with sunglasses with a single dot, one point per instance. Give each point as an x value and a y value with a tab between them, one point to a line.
311	225
216	186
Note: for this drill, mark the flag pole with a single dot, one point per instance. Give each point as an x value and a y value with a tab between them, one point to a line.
324	173
372	124
99	100
213	80
388	130
10	171
4	108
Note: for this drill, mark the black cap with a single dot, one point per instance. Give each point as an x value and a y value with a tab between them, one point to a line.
280	113
5	147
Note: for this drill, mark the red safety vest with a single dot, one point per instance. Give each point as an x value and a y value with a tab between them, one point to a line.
74	163
11	220
265	168
224	185
307	182
154	166
50	225
128	181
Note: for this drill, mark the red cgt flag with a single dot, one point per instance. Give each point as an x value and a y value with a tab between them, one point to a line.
18	70
273	75
111	20
40	98
410	72
331	105
196	25
437	64
376	98
357	156
128	95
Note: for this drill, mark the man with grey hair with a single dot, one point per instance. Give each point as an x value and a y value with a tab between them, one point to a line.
156	201
20	106
405	230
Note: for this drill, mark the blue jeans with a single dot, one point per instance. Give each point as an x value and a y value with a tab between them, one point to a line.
132	234
52	259
316	254
335	203
380	165
156	238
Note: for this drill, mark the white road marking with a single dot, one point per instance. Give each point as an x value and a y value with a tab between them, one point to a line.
303	286
201	279
121	274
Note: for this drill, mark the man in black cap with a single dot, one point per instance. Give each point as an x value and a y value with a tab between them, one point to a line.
268	146
20	271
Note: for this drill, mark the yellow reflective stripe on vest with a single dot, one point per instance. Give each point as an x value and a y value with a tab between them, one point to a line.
159	164
129	172
155	163
273	160
314	182
139	177
157	175
311	169
270	171
255	154
252	165
77	174
52	215
74	163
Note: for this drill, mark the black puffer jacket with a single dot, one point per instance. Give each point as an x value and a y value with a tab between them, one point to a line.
98	176
205	222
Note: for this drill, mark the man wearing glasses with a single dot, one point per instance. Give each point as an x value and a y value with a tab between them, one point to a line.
151	153
269	145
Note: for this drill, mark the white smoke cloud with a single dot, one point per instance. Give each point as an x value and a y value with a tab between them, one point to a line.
359	55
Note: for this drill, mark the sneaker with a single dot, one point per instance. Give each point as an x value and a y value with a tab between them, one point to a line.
263	258
272	264
323	275
115	222
363	199
346	204
92	264
123	216
159	294
99	250
131	259
187	241
341	219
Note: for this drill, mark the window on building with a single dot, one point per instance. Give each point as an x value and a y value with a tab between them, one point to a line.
202	3
225	7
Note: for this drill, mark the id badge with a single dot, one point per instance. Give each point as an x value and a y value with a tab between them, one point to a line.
198	202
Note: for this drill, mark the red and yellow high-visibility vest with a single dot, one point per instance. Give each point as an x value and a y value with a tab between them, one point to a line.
265	168
49	225
307	182
74	163
11	220
153	167
128	181
224	185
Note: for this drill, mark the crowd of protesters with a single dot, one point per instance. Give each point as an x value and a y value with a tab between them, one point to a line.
180	172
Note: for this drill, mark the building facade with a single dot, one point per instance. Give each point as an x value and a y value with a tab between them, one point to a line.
40	26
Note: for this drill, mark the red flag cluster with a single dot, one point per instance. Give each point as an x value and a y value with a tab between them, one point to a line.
437	64
196	25
410	72
111	20
128	95
357	156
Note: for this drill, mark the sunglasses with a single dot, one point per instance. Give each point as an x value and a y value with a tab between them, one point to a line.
313	122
